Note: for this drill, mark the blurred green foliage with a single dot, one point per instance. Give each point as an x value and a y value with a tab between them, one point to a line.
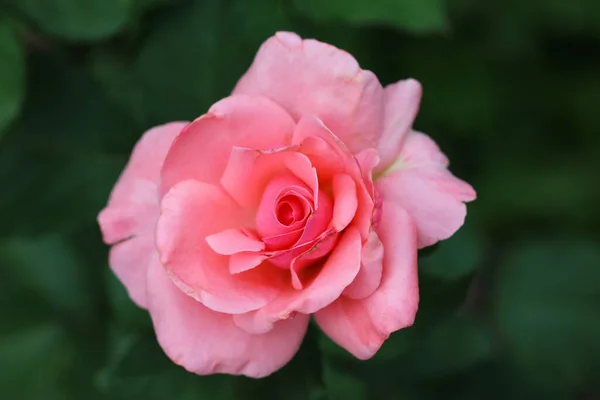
510	306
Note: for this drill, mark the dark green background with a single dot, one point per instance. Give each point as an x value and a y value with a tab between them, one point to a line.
510	305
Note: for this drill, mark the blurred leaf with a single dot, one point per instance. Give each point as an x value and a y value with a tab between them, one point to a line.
12	76
453	345
31	362
415	16
49	267
191	58
547	300
125	311
75	19
62	157
342	386
455	257
140	370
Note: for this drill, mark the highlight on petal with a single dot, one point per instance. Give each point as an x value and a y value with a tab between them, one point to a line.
190	212
207	342
232	241
422	185
308	77
129	219
202	150
361	326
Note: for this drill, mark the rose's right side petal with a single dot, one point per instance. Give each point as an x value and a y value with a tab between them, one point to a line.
190	212
361	326
308	77
207	342
128	220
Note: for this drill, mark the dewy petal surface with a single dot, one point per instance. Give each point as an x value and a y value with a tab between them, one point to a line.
206	342
308	77
129	219
423	186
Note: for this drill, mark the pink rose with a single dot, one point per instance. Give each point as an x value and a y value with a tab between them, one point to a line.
304	192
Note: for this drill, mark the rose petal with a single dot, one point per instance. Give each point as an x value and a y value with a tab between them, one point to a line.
245	261
337	272
206	342
361	326
402	100
133	208
233	240
190	212
201	151
371	269
308	132
309	77
249	171
421	184
345	201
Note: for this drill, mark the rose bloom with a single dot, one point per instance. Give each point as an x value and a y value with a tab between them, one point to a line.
306	192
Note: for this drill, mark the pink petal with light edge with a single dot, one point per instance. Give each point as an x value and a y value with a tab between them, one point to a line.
402	100
206	342
423	186
190	212
233	240
345	201
371	269
325	150
201	151
337	272
245	261
361	326
248	172
309	77
132	210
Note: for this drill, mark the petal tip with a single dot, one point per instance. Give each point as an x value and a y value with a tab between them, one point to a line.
289	39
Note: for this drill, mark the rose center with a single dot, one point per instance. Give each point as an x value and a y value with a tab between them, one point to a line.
290	209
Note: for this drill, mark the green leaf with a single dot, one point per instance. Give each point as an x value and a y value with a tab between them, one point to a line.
414	16
140	370
12	76
343	386
453	345
547	310
75	19
68	147
32	361
191	58
455	257
49	267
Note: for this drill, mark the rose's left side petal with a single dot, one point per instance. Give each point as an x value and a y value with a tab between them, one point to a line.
129	218
206	342
308	77
202	150
421	184
361	326
190	212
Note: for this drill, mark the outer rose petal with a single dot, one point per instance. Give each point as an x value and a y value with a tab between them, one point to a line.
202	150
402	101
206	342
371	269
132	210
361	326
422	185
308	77
190	212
